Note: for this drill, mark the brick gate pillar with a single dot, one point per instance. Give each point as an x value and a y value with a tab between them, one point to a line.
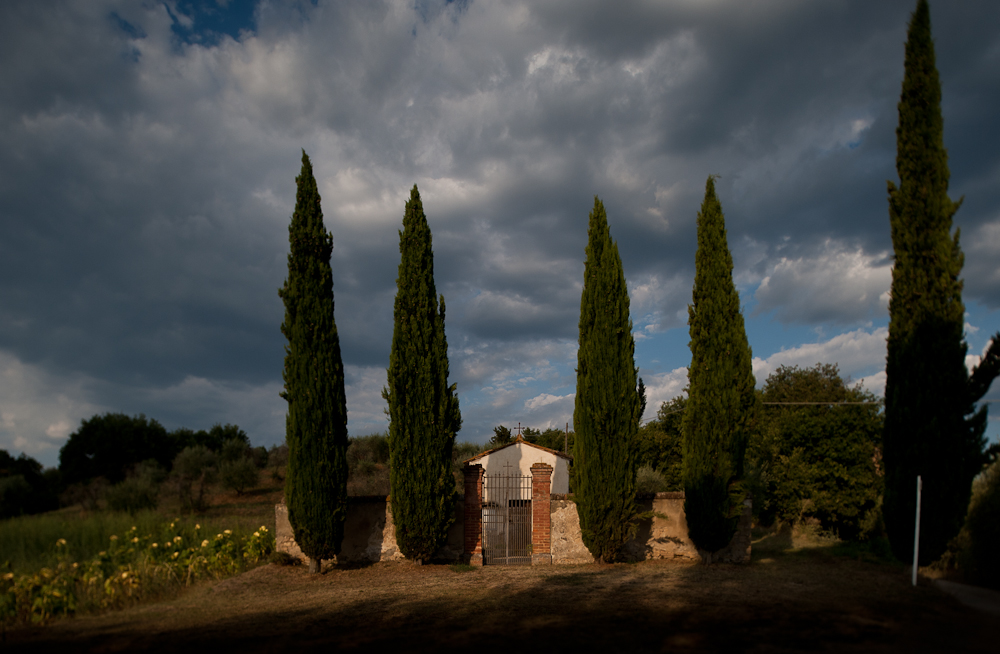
541	518
472	549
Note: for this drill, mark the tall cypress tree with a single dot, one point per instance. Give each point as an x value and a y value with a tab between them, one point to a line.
721	410
423	409
608	403
316	423
931	426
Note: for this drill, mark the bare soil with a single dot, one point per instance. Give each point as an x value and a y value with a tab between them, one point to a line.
789	599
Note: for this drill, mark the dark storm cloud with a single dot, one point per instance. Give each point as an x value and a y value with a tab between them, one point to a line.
148	153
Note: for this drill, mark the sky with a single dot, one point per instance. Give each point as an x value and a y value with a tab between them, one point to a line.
149	149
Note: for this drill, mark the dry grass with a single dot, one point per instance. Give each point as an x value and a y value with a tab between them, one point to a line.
797	595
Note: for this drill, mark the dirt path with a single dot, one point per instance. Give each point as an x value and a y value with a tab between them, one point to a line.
791	602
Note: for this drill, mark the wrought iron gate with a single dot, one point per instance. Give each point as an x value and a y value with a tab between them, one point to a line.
507	519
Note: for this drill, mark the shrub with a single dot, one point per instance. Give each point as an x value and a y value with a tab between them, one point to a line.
234	449
194	471
88	495
14	495
238	475
259	456
649	481
659	443
133	495
982	530
277	459
373	448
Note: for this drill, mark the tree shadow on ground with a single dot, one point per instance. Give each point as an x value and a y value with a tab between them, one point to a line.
785	602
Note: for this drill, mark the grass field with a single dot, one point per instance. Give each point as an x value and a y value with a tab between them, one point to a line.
800	593
29	543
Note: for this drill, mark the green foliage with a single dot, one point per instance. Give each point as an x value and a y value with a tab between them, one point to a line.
373	448
132	495
131	566
214	439
140	491
235	450
368	462
239	475
277	459
24	487
107	446
501	437
552	438
423	409
461	453
609	399
931	426
660	444
316	423
195	470
721	410
978	539
649	481
817	462
26	543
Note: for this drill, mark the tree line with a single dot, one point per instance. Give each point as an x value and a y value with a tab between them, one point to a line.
122	461
802	462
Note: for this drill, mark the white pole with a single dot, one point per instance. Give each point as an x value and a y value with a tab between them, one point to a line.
916	532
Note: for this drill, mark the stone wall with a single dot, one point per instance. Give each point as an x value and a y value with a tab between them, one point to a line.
664	536
369	534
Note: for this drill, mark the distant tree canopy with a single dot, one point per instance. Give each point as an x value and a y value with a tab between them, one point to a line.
501	437
552	438
24	487
820	462
660	444
110	445
213	439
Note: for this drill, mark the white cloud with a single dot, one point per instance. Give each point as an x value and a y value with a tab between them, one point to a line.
874	384
508	116
839	285
982	253
39	409
663	387
855	353
365	406
545	399
657	303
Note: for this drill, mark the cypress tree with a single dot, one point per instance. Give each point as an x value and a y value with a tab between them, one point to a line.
608	403
316	423
423	409
931	426
721	410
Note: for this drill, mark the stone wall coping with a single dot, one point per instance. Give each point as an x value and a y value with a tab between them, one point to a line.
669	495
370	499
